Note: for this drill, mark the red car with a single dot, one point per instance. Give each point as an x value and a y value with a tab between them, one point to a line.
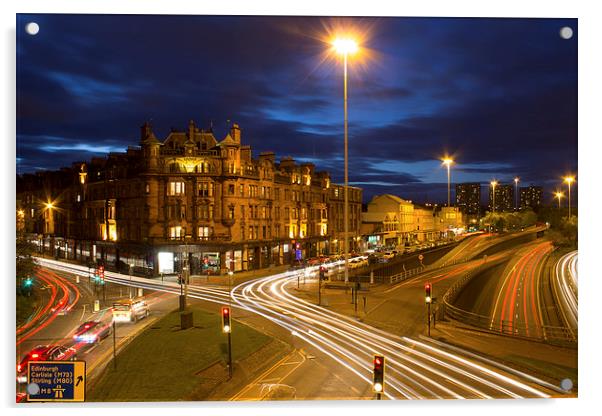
44	353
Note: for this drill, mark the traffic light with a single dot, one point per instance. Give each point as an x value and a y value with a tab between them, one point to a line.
322	273
226	325
427	293
378	384
28	282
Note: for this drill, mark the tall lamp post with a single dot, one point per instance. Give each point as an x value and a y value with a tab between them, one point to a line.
50	230
516	181
448	162
569	180
559	196
493	185
345	47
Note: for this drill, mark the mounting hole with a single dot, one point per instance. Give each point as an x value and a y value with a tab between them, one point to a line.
566	384
32	28
566	32
33	389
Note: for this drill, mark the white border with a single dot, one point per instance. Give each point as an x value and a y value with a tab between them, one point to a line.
590	70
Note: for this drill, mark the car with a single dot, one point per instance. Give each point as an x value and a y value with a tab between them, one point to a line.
388	255
91	332
130	310
44	353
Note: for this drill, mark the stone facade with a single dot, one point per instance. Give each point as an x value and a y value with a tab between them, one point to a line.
395	222
189	198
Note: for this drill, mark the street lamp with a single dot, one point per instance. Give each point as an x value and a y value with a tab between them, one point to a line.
448	162
516	181
345	47
493	185
569	180
558	195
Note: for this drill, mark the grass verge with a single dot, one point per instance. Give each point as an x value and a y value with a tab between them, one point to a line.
165	363
26	305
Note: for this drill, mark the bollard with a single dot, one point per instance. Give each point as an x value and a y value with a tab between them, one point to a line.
76	278
96	305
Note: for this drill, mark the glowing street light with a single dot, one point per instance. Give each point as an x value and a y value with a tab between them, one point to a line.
345	47
448	162
559	195
493	185
569	180
516	181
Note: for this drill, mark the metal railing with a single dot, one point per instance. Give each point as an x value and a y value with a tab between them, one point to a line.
406	274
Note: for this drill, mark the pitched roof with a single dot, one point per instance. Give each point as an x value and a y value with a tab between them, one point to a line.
228	141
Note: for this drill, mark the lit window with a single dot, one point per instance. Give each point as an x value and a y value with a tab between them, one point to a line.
204	232
176	232
175	188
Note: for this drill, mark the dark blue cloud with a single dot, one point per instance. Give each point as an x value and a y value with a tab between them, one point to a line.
498	94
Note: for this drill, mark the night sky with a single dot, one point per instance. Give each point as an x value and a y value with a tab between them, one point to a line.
500	95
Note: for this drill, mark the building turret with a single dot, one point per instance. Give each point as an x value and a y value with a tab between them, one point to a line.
150	147
235	133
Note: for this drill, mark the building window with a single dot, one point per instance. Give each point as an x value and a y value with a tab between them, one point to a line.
147	188
205	232
205	189
231	189
175	188
231	212
176	232
205	212
241	188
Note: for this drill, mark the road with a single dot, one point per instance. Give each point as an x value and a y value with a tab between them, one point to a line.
518	306
343	347
68	305
564	285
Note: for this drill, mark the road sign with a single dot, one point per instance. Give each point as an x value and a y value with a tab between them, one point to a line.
56	381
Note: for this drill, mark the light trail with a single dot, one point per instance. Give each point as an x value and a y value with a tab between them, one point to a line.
416	370
566	290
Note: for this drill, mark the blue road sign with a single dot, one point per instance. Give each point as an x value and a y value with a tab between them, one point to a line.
56	381
298	255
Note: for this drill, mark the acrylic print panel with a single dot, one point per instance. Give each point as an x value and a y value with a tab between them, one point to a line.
295	208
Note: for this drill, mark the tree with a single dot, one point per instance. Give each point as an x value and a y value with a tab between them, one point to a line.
528	218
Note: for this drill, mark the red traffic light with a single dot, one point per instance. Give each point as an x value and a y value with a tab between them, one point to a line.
427	292
378	381
226	325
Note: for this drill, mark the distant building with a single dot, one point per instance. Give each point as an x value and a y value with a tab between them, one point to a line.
468	198
504	198
531	197
393	222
